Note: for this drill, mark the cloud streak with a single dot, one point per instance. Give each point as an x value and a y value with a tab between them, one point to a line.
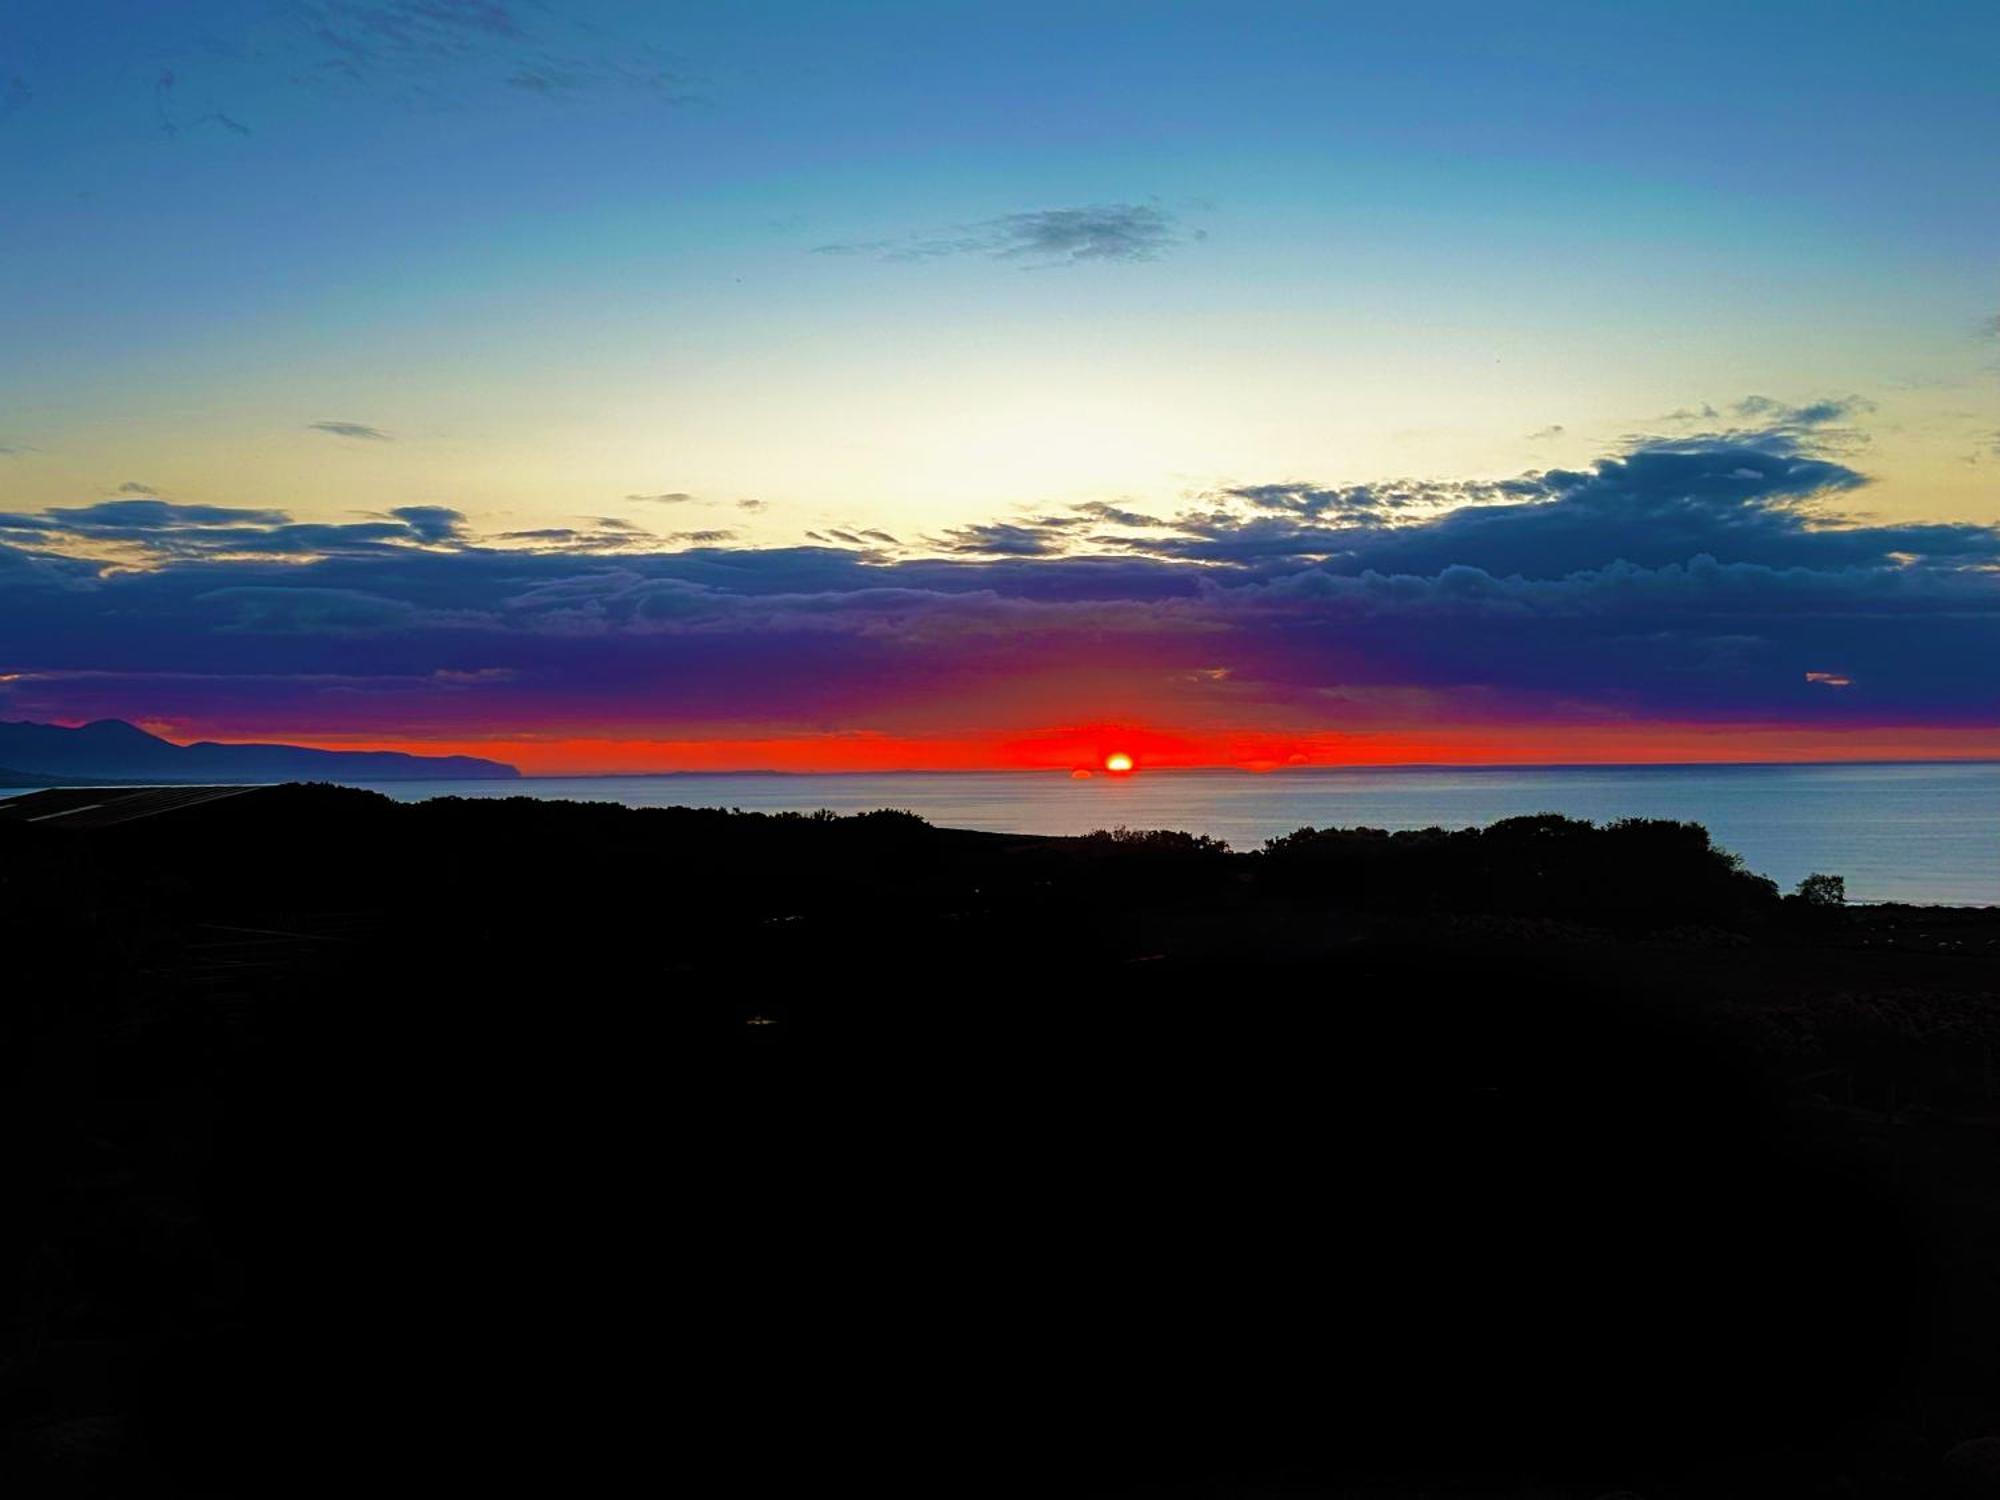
360	431
415	45
15	96
170	125
1126	232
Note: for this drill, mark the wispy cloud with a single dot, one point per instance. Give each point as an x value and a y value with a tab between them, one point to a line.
170	125
1118	515
373	30
670	497
1003	539
1044	237
1685	415
1118	231
1805	417
530	48
15	96
359	430
1829	423
605	535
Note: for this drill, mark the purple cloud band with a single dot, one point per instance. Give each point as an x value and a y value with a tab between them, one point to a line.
1704	578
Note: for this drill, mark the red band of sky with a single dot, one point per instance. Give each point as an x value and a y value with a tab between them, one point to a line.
1087	746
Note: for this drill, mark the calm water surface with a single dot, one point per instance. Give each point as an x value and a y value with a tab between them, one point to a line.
1898	833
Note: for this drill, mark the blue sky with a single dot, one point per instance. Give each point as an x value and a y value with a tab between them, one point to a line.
516	235
917	269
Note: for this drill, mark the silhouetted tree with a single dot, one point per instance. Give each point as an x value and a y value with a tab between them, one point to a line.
1640	872
1158	840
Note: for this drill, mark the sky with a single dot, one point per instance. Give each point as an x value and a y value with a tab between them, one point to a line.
616	386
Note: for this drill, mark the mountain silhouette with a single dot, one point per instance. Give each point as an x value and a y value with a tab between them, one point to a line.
113	749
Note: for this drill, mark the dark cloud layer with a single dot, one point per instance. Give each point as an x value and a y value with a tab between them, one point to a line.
153	531
1696	578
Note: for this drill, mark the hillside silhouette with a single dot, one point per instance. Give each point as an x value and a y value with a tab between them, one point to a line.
113	750
486	1141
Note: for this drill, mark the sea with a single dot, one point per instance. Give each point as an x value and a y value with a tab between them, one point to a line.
1920	833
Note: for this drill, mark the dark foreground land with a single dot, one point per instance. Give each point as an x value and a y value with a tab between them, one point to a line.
358	1146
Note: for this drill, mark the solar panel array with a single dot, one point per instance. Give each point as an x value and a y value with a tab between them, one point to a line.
103	806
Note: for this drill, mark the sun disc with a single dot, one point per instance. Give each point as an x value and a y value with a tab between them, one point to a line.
1117	762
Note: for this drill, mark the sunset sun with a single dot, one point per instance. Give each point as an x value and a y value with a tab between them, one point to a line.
1118	763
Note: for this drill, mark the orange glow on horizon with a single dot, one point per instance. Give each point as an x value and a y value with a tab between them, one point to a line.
1074	750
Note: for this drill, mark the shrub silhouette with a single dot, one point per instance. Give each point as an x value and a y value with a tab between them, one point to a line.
1639	872
1157	841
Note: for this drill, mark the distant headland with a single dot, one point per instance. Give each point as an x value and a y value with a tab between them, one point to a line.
111	749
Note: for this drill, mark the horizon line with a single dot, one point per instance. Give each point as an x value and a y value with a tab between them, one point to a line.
1410	765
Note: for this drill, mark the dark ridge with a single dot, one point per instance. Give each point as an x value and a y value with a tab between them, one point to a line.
113	750
487	1141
